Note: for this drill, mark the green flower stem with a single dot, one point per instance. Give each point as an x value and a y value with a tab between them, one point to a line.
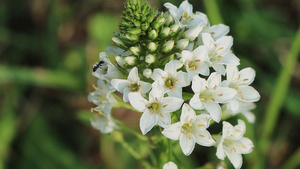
213	11
133	132
278	96
292	161
122	104
170	150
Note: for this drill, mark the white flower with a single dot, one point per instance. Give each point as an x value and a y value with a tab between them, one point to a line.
190	130
113	50
240	81
232	143
216	31
195	61
170	165
219	52
105	69
209	93
184	16
132	84
156	110
104	123
102	97
171	80
244	108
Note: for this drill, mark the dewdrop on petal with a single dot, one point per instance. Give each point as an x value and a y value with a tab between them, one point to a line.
130	60
147	73
150	59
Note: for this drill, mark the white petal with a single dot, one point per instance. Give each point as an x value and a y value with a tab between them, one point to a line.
183	79
137	101
230	59
225	42
237	131
173	131
201	53
219	68
220	152
193	32
170	165
232	73
171	104
227	129
224	94
234	106
164	119
247	75
120	84
198	84
158	73
248	94
244	145
187	114
145	87
176	92
147	121
218	31
214	80
214	110
171	68
203	69
249	116
172	9
196	103
203	138
235	158
186	7
155	94
202	121
126	91
208	41
133	75
186	56
187	144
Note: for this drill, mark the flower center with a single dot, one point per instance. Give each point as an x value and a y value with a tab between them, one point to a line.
170	82
187	127
192	64
204	96
185	17
134	87
154	107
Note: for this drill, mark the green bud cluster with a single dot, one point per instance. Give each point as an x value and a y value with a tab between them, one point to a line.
146	32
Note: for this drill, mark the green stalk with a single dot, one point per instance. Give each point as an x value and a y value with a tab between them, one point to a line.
170	150
213	11
278	96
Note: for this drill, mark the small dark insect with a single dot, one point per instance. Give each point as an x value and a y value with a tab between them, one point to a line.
97	65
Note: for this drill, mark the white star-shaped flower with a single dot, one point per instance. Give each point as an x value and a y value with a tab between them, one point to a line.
219	52
105	69
232	143
184	16
156	110
244	109
102	97
171	80
132	84
240	81
216	31
190	130
195	61
208	95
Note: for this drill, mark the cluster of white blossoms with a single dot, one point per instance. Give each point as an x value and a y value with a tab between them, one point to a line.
159	62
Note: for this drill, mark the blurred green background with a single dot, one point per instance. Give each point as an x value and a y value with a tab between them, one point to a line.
48	47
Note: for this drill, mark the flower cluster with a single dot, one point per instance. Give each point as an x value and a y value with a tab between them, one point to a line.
159	57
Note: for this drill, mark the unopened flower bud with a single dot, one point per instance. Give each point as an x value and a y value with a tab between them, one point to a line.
169	19
147	73
150	59
182	43
130	60
135	50
152	34
120	61
117	41
168	46
159	23
152	46
165	32
174	28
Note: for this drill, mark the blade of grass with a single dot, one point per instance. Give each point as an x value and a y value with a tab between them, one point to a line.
213	11
278	95
293	161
